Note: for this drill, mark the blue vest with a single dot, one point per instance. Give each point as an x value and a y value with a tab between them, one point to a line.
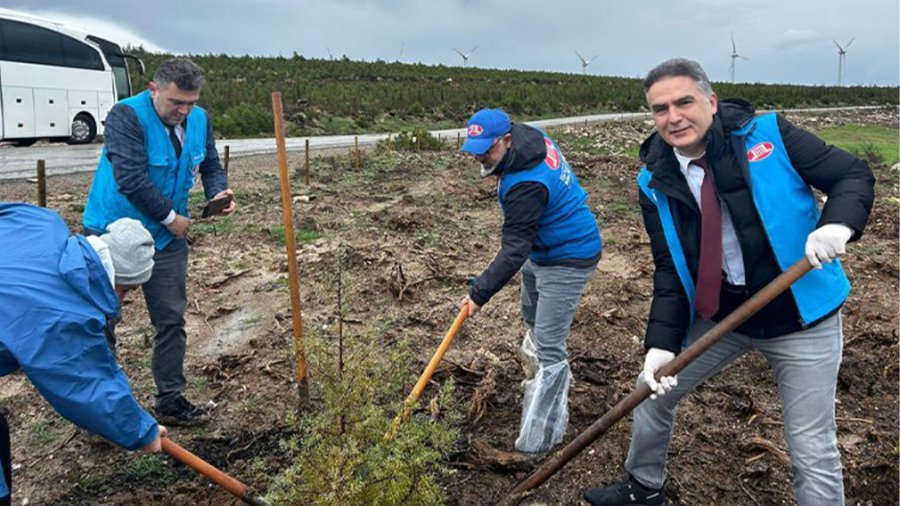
173	176
568	229
788	212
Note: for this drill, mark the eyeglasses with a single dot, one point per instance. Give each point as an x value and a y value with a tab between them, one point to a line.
488	152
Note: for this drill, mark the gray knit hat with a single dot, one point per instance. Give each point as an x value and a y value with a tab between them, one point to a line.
131	248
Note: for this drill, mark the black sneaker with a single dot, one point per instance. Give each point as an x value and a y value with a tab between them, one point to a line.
625	492
179	411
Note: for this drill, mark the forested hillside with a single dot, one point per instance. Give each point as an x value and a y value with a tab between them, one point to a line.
344	96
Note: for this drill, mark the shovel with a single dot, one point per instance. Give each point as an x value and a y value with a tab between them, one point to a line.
426	375
221	479
623	407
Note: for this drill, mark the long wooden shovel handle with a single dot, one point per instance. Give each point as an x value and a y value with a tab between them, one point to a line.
233	486
426	375
623	407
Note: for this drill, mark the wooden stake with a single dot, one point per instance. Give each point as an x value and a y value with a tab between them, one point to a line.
290	240
356	150
458	140
42	183
389	145
225	165
306	154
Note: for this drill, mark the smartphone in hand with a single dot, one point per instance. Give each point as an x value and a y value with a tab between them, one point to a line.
215	206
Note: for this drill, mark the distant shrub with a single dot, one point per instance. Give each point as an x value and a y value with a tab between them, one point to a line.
244	120
869	152
418	138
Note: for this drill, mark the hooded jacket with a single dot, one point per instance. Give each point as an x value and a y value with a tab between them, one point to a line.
55	298
846	180
531	220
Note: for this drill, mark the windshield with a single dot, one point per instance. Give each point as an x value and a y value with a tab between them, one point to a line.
113	54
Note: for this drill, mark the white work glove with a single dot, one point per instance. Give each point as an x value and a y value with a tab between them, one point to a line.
656	358
826	243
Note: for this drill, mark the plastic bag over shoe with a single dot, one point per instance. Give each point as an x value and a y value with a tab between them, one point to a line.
545	413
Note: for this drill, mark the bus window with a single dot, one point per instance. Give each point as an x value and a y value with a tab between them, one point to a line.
113	54
30	44
80	55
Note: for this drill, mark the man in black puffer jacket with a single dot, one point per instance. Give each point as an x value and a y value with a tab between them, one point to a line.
727	204
549	233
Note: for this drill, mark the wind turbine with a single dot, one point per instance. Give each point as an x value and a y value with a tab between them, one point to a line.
734	57
399	56
842	57
330	55
465	56
585	63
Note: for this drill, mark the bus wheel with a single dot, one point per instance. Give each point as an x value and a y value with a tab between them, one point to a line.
83	130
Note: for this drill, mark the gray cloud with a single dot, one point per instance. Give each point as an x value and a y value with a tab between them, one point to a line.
786	42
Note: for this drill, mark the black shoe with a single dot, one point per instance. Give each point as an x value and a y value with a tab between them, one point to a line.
179	411
625	492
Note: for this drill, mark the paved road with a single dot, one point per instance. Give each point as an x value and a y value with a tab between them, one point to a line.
20	162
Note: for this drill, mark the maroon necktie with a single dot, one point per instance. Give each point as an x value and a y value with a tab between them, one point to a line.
709	277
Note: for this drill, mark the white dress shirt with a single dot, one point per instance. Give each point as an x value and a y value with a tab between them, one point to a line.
732	258
179	132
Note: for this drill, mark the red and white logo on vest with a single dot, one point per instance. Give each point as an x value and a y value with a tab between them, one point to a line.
552	155
760	152
475	130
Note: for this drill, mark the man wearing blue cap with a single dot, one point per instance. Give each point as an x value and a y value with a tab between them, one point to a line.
549	233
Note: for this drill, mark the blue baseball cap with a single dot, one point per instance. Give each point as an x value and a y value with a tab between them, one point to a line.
485	126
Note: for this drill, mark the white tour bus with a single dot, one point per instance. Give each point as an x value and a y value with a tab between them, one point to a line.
56	82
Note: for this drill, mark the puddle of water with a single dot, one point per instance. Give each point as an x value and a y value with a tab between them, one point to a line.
233	331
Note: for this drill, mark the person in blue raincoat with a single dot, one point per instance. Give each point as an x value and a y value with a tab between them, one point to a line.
55	298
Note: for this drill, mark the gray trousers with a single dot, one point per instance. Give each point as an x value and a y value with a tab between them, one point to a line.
806	365
166	296
550	296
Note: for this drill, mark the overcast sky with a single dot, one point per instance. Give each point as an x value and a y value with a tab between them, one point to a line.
785	41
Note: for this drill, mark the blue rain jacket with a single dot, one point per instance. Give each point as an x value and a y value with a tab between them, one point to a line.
55	298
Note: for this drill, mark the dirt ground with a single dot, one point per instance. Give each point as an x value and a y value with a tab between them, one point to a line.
416	226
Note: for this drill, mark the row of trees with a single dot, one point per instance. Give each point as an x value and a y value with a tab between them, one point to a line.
343	96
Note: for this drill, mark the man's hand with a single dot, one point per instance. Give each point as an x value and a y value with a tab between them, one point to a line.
826	243
179	226
231	207
656	358
156	445
473	307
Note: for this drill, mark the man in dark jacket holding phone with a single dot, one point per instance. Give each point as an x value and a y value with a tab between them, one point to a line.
156	143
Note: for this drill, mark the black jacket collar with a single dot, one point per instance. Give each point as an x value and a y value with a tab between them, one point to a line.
659	157
528	150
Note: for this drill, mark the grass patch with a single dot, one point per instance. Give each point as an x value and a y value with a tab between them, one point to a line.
247	323
150	468
42	432
302	235
865	141
431	239
219	225
577	142
89	483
